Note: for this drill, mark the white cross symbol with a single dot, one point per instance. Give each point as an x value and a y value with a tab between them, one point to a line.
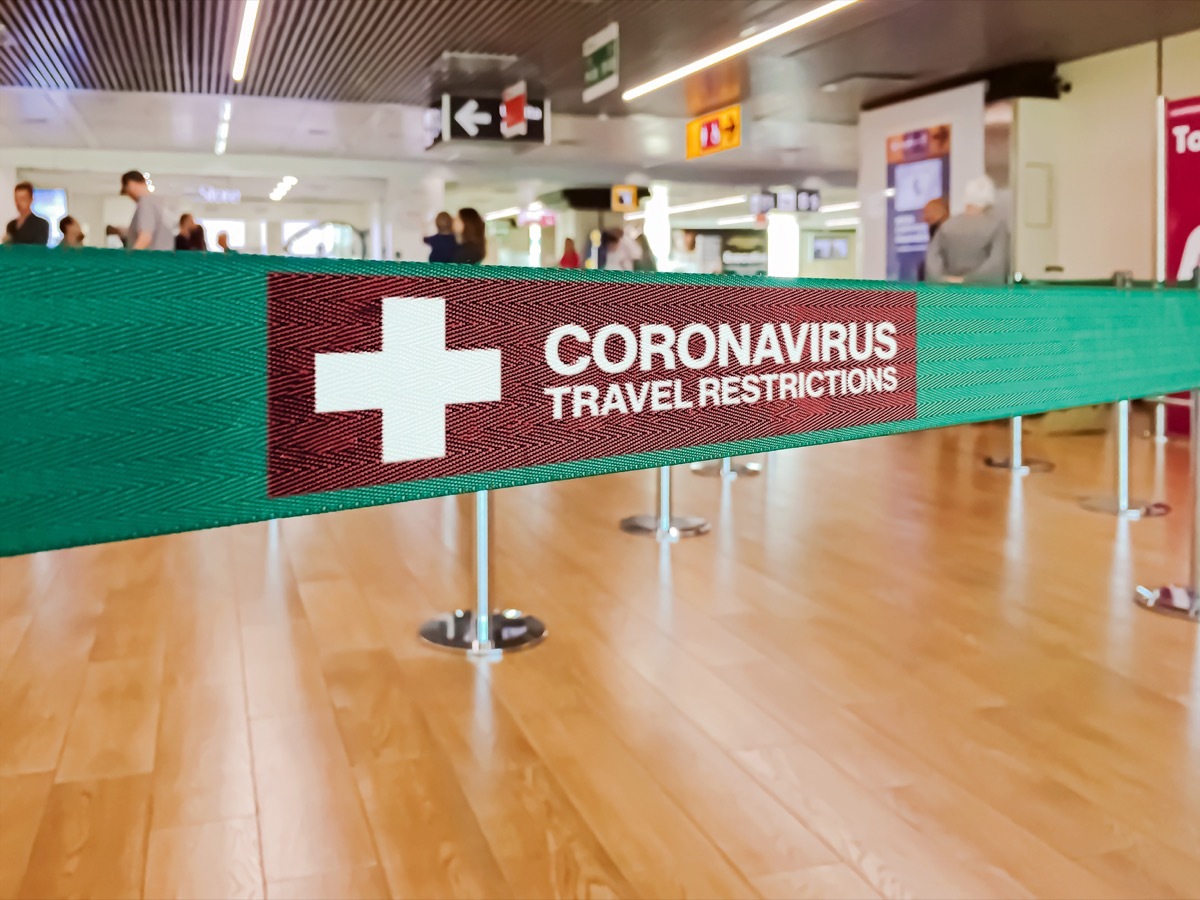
411	380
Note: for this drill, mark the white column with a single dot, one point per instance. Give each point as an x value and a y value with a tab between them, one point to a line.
783	245
657	226
375	230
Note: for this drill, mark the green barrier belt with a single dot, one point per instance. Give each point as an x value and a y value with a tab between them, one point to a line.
148	393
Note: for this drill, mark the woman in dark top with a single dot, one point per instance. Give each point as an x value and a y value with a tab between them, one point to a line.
472	247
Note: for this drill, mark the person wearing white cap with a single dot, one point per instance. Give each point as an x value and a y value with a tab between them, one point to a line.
973	247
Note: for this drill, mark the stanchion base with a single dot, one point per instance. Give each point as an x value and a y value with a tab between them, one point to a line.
1030	466
712	469
1138	509
1166	600
512	630
681	527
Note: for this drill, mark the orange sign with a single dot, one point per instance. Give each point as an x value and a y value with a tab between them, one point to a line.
624	198
717	131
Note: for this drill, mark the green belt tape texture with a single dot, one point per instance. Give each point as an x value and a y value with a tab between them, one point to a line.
133	386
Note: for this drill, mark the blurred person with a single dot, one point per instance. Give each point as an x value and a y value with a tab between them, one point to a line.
972	248
28	227
223	243
191	234
472	244
934	214
148	229
72	233
623	253
570	258
443	246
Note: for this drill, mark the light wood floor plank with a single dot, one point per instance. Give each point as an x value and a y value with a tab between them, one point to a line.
92	840
888	671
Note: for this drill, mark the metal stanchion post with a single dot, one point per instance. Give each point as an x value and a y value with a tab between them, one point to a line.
726	469
1183	600
1016	462
482	633
1160	422
1121	505
663	525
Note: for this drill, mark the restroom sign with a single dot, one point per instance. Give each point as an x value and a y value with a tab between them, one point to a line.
715	132
514	122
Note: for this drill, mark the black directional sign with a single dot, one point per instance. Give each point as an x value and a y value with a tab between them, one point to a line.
457	118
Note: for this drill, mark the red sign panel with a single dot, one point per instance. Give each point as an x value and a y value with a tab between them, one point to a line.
376	380
1183	189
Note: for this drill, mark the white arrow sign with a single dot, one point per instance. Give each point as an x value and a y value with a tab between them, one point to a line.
470	117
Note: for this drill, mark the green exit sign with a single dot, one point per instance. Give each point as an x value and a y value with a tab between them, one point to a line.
600	63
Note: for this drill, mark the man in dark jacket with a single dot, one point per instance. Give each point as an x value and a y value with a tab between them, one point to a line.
27	227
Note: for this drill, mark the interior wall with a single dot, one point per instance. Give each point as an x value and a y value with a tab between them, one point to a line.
1181	66
828	268
1087	162
962	109
1105	185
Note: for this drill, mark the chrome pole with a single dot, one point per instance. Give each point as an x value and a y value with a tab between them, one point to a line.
1194	567
483	634
663	525
483	575
1016	462
1183	600
664	500
1121	505
726	469
1122	457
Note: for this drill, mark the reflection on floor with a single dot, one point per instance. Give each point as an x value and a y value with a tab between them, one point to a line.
888	671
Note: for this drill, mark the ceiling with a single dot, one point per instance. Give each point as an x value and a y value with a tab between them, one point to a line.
378	139
395	51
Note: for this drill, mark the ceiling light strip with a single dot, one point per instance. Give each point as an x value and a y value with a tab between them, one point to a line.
242	53
735	49
693	207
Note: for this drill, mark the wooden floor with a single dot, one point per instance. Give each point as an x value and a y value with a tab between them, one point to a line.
887	672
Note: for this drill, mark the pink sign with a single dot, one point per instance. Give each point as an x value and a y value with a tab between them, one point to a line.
1183	189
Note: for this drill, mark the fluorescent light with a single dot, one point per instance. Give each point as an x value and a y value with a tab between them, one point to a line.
737	220
839	207
693	207
223	128
285	184
842	223
507	213
242	53
741	46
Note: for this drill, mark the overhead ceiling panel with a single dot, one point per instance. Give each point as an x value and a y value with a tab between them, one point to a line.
391	51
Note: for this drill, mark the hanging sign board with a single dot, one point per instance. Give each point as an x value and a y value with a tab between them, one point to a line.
624	198
462	118
715	132
600	63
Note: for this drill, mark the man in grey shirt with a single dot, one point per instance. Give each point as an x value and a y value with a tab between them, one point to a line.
972	248
149	228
